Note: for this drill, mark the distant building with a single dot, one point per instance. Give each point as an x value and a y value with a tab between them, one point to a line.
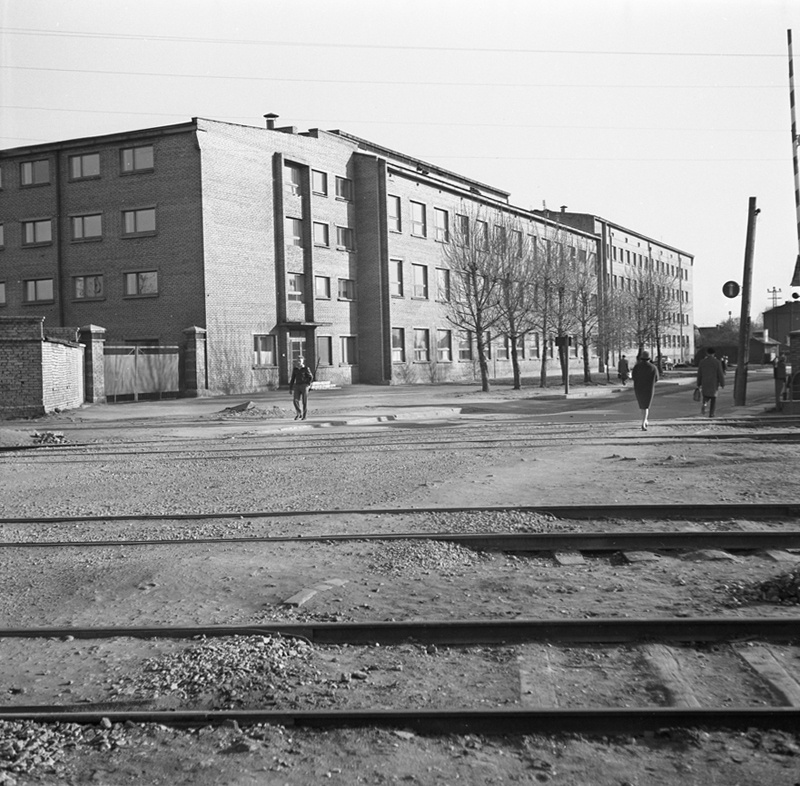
277	243
783	320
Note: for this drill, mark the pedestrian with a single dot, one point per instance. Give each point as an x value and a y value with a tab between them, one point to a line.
645	376
779	372
724	362
623	371
298	386
710	377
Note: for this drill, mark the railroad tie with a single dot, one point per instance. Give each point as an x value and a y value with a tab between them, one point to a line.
667	668
766	664
305	595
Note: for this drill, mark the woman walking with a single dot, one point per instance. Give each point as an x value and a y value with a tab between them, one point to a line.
645	376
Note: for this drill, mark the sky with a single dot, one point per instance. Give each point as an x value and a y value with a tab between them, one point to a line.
663	116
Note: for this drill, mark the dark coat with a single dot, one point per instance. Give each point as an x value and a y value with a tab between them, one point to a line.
710	376
645	376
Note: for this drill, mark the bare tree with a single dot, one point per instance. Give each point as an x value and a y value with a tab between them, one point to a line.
586	312
475	287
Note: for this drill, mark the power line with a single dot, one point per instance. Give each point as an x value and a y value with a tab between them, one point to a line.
382	82
339	122
399	47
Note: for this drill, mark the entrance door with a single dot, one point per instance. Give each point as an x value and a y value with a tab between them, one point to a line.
297	347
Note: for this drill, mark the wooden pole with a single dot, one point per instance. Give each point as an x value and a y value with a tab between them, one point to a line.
796	276
740	380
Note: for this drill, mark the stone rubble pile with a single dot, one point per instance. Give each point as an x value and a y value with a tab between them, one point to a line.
496	521
412	558
49	438
783	589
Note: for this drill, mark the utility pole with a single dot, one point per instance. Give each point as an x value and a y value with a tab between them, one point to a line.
773	293
740	380
796	275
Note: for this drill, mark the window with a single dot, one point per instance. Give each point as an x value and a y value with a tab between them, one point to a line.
419	222
533	345
296	289
419	276
398	345
500	238
35	173
141	284
396	277
465	345
444	346
344	238
393	211
488	345
139	222
347	289
502	348
344	188
37	232
293	178
264	350
319	182
87	227
136	159
325	350
85	166
516	242
348	350
294	231
321	235
87	287
2	293
441	225
322	287
39	290
422	347
482	234
462	229
443	284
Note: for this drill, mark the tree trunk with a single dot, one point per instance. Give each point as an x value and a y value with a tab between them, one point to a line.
515	362
484	366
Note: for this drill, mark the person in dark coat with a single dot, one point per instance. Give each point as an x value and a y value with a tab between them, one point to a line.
779	372
623	371
710	377
645	376
298	386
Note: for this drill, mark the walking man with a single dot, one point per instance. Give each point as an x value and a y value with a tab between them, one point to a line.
779	371
623	372
645	376
710	377
298	386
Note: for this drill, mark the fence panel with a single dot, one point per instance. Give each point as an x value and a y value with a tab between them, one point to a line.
135	370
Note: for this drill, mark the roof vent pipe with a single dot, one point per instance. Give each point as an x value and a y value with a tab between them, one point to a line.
271	118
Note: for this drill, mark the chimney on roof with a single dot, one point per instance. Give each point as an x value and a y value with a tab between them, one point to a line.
271	118
563	209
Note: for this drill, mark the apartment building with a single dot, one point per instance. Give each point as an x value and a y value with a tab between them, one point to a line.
276	243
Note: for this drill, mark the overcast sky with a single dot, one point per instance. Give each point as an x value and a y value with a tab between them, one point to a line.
664	116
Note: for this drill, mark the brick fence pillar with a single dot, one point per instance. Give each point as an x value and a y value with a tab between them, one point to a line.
193	383
93	338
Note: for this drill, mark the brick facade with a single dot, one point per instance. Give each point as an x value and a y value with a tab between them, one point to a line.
273	242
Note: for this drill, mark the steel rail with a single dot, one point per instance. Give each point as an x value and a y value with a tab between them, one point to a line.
603	720
650	511
513	542
462	632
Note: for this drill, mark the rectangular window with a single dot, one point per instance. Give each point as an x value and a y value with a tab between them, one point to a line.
500	238
136	159
462	229
87	287
398	345
347	289
264	350
502	348
465	345
39	290
322	287
36	232
296	287
139	222
35	173
443	284
321	234
141	284
419	221
87	227
294	231
293	178
422	347
419	278
344	188
344	238
533	345
348	350
393	211
441	225
482	235
325	350
516	242
85	166
2	293
444	346
396	277
319	182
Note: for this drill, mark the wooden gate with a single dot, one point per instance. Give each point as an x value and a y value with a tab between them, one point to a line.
136	371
